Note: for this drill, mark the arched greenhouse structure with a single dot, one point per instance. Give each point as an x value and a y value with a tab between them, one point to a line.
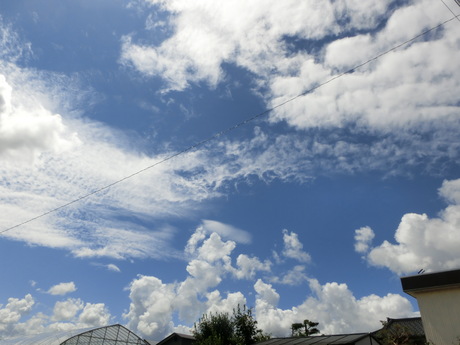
108	335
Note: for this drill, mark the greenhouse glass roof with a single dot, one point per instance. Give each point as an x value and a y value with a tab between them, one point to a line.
108	335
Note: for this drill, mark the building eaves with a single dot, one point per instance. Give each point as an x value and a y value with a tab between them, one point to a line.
431	281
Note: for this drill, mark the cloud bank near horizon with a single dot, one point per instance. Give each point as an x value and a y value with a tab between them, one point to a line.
158	308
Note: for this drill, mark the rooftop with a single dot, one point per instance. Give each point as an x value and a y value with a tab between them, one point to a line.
431	281
344	339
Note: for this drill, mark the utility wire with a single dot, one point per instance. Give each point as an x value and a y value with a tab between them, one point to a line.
232	128
458	3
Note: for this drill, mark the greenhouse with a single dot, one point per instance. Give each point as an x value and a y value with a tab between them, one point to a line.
108	335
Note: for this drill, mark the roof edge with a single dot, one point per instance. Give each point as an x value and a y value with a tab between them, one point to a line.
431	281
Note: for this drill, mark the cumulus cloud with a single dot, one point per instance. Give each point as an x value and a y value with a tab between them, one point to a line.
333	305
420	242
294	276
411	86
249	266
67	315
151	307
248	34
62	288
15	309
66	310
12	312
293	248
27	130
155	305
158	308
363	238
402	106
94	315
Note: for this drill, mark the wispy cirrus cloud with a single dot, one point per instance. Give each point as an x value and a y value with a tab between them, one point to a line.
63	157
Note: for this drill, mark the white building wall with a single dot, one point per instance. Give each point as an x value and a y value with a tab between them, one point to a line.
440	310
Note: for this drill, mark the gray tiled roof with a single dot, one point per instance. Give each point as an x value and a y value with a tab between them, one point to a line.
413	325
344	339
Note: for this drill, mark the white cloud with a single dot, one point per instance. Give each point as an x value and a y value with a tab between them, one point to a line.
62	288
450	190
406	88
66	310
422	242
216	304
158	308
294	276
13	48
154	304
53	178
113	267
248	34
227	231
27	130
412	86
249	266
214	249
293	248
404	104
15	309
363	238
62	157
67	315
94	315
12	312
332	305
151	307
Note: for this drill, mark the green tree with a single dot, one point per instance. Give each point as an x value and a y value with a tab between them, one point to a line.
214	329
304	329
222	329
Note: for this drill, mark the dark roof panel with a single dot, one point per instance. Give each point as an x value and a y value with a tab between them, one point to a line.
428	281
344	339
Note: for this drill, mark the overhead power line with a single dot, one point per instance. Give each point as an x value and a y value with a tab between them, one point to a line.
458	3
232	128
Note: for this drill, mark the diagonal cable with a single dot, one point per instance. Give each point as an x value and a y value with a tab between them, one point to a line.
229	129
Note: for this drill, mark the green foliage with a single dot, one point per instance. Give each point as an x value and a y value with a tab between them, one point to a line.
222	329
304	329
214	329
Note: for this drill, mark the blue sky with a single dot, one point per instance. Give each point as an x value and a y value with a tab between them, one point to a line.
310	211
